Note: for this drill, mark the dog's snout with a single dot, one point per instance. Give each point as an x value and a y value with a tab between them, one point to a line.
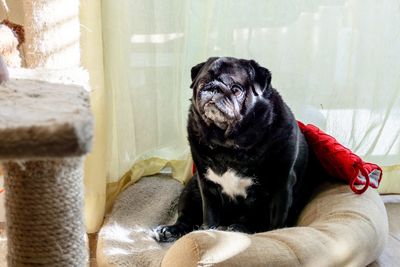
222	89
217	89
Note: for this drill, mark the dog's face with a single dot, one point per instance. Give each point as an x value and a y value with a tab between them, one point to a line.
225	89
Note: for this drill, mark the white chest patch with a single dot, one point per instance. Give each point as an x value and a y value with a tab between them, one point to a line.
232	184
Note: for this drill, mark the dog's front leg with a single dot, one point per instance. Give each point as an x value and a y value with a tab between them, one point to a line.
211	201
189	214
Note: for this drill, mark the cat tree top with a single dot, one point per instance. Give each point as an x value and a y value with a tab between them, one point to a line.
40	119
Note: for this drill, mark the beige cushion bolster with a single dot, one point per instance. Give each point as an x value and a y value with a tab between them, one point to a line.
337	228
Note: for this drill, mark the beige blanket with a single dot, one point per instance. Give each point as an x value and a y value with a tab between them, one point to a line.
126	237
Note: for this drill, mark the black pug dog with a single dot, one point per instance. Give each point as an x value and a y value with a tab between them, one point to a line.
254	168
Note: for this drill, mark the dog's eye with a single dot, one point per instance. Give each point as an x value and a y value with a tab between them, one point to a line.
237	90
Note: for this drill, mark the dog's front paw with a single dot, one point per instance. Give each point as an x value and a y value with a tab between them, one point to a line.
237	228
168	233
233	228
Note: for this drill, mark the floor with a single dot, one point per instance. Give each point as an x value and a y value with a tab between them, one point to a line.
3	246
391	256
92	249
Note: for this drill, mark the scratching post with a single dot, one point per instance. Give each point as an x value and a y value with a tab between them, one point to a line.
52	33
44	207
45	129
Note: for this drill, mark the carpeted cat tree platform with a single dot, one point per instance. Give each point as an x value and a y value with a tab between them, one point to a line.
45	129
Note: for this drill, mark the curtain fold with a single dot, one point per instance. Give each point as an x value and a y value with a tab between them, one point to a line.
336	63
179	169
95	164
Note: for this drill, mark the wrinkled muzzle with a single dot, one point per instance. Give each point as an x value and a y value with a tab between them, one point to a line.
223	111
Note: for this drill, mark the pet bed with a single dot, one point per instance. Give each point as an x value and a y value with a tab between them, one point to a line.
337	228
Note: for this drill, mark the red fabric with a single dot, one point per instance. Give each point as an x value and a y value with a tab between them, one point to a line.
193	169
339	161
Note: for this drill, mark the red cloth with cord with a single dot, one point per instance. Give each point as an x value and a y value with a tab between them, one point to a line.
339	161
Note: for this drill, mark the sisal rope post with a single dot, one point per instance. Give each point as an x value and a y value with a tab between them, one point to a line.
45	130
44	200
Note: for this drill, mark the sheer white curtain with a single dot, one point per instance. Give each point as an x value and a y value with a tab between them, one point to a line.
336	63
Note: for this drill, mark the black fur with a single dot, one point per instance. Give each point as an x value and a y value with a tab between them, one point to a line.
262	142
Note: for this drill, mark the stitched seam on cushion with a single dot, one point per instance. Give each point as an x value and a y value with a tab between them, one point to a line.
342	217
290	249
197	249
338	216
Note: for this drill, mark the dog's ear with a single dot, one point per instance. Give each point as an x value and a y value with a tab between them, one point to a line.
261	77
194	72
